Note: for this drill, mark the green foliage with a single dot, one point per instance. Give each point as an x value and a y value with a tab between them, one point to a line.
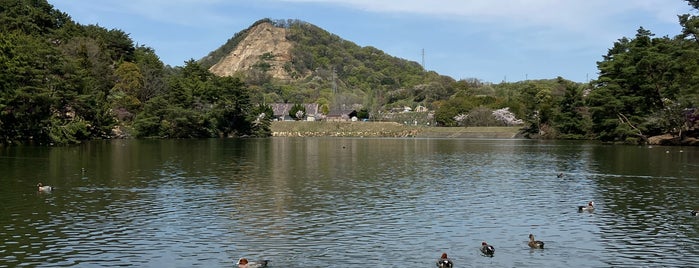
28	80
30	17
61	83
482	117
67	131
129	85
363	113
645	83
201	105
325	62
233	111
261	118
447	112
298	111
152	71
572	121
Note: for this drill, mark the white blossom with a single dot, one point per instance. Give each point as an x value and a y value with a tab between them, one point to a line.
460	118
504	115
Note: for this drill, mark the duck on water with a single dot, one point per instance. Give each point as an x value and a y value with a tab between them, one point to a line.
245	263
44	188
444	261
590	207
487	249
535	243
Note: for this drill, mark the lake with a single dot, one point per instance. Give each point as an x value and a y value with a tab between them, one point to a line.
348	202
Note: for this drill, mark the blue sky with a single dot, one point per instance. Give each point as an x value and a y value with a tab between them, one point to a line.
491	40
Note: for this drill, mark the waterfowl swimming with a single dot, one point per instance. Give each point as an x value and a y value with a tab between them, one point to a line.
43	188
444	262
534	243
559	175
590	206
244	263
487	249
694	212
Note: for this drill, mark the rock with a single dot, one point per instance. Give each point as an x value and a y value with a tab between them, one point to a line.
690	141
665	139
264	40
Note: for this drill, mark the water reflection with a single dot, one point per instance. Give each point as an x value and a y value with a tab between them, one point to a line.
346	202
648	205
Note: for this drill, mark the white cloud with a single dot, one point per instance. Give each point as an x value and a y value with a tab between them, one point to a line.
576	15
587	17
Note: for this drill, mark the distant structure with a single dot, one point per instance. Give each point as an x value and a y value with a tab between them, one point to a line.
423	59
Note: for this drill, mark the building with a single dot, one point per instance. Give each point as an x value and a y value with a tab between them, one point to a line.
281	111
342	115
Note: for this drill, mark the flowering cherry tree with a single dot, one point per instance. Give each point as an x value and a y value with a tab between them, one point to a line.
508	118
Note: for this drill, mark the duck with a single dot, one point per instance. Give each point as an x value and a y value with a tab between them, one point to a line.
590	207
559	175
487	249
44	188
535	243
694	212
444	261
245	263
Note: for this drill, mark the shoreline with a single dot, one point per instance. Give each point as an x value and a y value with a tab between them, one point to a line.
385	129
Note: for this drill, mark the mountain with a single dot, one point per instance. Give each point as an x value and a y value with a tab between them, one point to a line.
295	61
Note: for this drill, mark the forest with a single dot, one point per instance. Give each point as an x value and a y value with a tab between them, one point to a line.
62	82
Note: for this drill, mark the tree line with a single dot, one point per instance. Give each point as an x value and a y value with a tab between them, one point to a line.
62	82
647	86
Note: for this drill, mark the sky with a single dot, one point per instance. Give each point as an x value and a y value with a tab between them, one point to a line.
489	40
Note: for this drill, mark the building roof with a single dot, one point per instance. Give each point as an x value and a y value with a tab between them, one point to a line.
282	109
342	112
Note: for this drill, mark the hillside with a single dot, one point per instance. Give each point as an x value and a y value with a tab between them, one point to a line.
295	61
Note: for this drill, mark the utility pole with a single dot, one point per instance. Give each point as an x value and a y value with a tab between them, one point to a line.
334	82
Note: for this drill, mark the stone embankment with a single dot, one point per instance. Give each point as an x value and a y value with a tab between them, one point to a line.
669	139
386	129
346	134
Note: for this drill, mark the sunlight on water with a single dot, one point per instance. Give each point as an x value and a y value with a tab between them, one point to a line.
321	202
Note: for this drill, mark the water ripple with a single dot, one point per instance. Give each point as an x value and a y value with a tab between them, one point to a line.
349	202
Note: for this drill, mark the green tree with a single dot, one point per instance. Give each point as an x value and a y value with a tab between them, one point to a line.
233	112
298	111
363	113
28	78
447	112
129	84
261	117
572	122
635	76
152	69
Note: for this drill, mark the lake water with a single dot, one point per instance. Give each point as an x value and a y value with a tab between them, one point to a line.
348	202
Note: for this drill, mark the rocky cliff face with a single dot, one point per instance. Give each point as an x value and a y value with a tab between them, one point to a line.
264	44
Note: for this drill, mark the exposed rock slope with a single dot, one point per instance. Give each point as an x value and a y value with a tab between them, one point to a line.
265	43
